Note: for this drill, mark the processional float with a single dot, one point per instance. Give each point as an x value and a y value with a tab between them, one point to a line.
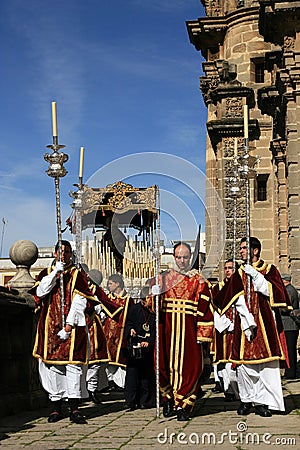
109	209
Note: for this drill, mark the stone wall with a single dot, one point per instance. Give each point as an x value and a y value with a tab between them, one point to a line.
260	39
19	381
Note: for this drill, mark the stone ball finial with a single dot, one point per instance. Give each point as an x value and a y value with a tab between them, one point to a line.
23	253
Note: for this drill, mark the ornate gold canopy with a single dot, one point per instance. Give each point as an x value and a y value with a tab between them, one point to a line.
128	205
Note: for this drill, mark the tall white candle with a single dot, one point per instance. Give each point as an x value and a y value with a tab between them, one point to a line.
81	162
235	147
246	121
54	120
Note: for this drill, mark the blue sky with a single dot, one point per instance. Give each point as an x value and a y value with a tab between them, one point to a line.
126	81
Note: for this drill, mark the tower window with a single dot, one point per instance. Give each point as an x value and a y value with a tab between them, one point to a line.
261	187
259	73
257	70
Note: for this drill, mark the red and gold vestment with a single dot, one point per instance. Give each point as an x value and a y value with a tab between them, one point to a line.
48	346
269	342
185	322
98	343
114	330
222	342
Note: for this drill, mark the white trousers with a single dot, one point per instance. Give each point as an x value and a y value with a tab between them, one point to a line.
229	380
62	382
261	384
96	377
116	374
216	375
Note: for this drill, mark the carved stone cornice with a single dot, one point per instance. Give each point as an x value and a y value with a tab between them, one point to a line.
268	100
233	91
294	73
278	149
231	126
209	32
206	33
278	19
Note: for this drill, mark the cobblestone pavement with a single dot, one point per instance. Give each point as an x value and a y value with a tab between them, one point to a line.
214	423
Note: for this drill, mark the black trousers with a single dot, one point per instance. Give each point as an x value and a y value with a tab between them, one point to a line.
291	342
140	383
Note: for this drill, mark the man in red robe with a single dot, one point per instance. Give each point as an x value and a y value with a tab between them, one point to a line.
114	332
62	350
258	343
98	345
186	321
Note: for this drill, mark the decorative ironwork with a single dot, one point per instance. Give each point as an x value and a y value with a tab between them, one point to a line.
56	170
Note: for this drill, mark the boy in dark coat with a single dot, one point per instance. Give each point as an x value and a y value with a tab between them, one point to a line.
140	376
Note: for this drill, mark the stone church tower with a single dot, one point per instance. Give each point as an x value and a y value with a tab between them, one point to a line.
252	57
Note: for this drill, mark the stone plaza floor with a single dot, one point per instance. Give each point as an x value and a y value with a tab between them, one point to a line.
214	424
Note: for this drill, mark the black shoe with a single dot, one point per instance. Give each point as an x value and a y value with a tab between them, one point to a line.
262	410
93	397
130	406
168	408
217	388
244	409
77	417
200	393
147	405
118	389
55	416
229	397
182	415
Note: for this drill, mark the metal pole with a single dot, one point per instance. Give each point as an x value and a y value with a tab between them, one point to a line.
234	192
59	239
2	236
78	232
157	268
247	187
77	205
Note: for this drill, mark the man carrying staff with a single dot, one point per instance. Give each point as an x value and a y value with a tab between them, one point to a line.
186	321
258	343
62	350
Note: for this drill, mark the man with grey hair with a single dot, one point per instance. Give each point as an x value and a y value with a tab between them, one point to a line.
186	321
